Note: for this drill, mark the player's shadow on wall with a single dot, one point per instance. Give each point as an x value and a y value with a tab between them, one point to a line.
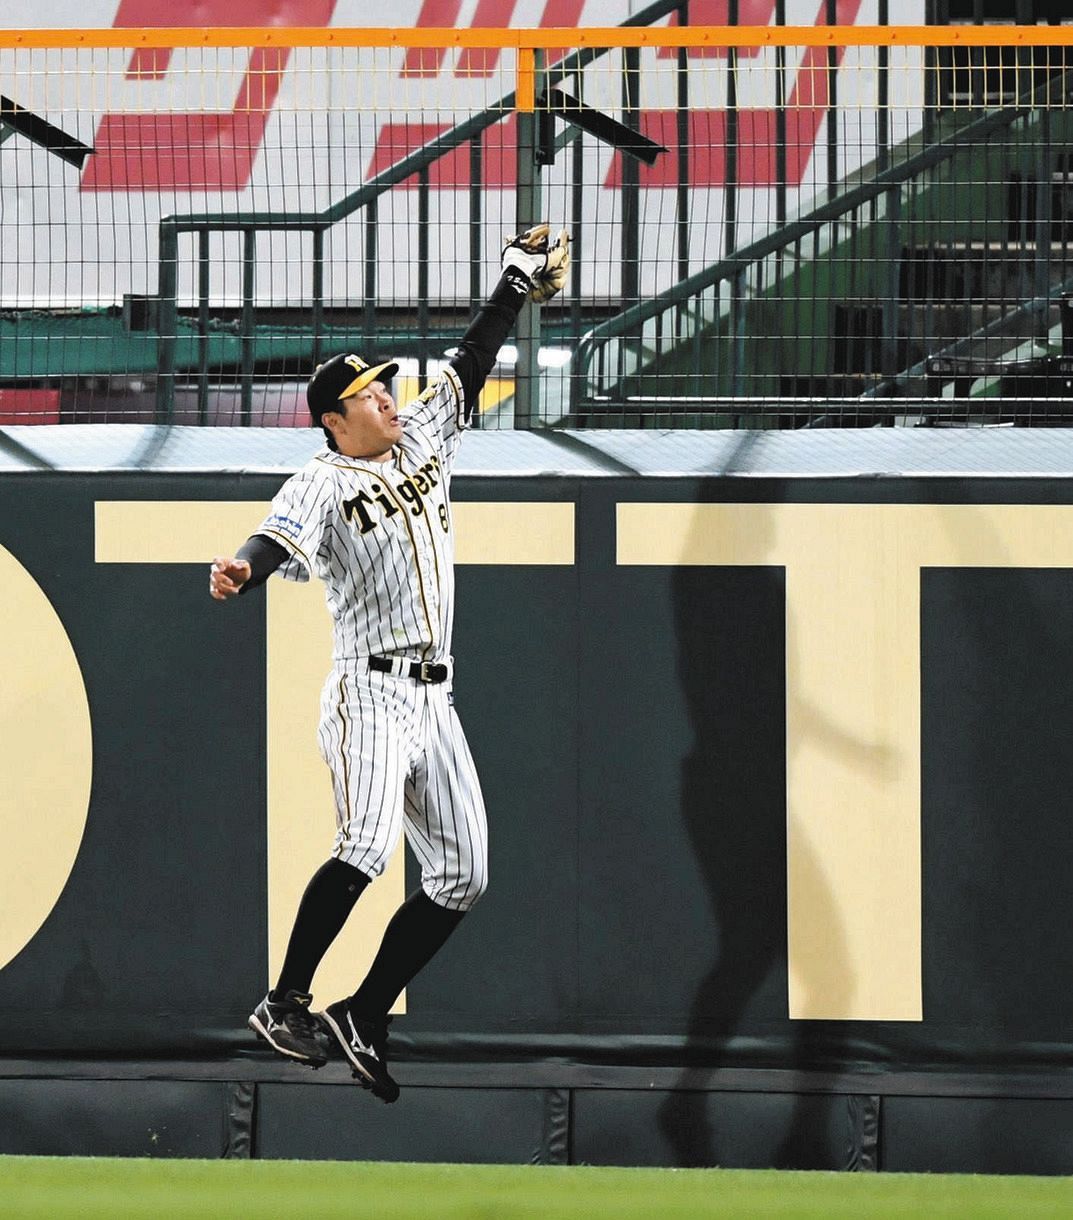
733	640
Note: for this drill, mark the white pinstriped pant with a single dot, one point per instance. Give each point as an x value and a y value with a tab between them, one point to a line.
399	760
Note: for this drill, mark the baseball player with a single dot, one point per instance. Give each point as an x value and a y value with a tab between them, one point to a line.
370	515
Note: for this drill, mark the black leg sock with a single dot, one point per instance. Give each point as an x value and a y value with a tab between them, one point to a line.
328	900
416	932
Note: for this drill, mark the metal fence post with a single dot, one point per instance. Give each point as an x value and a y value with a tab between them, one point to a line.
1044	220
247	357
892	237
167	320
529	203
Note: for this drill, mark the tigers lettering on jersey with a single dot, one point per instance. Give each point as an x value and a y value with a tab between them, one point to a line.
364	508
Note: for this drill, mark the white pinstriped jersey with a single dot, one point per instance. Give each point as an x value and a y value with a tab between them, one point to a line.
380	534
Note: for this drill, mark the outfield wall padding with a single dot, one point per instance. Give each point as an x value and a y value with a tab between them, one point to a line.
630	725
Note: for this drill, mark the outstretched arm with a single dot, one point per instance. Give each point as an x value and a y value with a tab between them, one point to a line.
486	335
257	558
530	269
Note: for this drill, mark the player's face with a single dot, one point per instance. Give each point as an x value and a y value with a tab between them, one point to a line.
371	424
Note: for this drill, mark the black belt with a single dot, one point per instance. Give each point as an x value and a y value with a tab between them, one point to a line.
423	671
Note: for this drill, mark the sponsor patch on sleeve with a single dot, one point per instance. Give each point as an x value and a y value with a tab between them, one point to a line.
284	525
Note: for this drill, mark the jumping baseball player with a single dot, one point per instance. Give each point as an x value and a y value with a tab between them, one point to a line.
370	515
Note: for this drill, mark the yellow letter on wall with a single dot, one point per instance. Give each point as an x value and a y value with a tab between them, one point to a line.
853	710
46	758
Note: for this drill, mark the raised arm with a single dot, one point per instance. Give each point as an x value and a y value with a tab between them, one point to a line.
531	268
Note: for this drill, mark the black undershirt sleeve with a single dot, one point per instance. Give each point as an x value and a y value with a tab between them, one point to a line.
487	332
264	556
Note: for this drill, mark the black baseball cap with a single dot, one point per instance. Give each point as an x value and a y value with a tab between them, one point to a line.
342	377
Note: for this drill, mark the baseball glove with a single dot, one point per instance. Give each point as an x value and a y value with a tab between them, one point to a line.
548	265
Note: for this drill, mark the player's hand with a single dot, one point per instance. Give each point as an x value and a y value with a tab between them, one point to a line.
546	265
226	577
551	278
528	251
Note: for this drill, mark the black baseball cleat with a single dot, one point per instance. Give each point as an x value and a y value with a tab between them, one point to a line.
290	1028
365	1044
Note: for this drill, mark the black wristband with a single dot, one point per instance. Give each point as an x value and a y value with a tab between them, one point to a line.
264	556
487	333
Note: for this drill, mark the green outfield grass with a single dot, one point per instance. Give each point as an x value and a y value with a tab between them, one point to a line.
56	1187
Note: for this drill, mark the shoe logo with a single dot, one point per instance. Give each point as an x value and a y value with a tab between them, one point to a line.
356	1041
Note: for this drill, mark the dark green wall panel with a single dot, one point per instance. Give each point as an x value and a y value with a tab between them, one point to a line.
629	727
486	1126
172	1118
731	1130
997	693
977	1135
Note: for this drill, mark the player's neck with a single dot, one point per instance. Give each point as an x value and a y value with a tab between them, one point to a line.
368	457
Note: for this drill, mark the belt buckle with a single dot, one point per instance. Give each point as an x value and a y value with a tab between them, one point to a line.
426	671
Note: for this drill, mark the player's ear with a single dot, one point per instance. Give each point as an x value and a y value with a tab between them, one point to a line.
331	420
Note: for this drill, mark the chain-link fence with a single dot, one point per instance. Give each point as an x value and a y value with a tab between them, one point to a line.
773	225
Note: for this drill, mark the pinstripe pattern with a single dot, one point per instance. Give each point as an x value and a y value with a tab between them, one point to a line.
438	413
390	587
405	766
380	536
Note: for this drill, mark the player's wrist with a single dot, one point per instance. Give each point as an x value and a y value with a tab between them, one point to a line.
544	265
521	260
